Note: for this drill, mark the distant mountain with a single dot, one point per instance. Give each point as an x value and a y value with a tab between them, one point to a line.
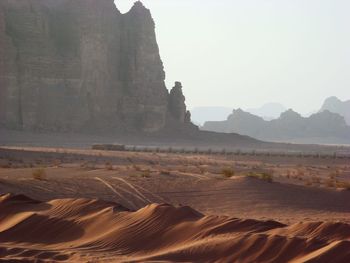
200	115
322	127
269	111
333	104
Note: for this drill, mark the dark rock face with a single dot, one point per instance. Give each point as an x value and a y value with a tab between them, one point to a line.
177	106
324	127
71	65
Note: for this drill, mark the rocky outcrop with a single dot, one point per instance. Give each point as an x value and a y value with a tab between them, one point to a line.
177	106
333	104
323	127
72	65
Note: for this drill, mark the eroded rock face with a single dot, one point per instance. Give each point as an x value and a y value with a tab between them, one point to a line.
177	106
71	65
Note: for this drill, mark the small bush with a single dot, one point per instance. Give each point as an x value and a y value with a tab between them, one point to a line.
316	180
330	183
266	177
39	174
308	183
146	174
201	170
344	185
262	176
227	172
109	166
137	168
165	172
6	165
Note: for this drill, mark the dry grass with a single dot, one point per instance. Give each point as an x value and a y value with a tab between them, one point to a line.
146	173
165	172
330	183
262	176
227	172
109	166
344	185
137	168
6	165
39	174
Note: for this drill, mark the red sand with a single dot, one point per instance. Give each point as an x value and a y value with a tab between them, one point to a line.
96	231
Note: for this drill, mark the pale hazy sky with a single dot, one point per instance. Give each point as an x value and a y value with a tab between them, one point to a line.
244	53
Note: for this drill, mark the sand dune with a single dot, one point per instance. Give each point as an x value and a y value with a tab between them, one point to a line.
98	231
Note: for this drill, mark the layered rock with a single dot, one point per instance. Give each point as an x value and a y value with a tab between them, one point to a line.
71	65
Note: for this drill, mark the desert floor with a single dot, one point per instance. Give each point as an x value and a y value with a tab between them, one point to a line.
110	206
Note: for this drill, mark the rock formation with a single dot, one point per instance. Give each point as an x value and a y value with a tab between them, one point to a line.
72	65
333	104
323	127
177	106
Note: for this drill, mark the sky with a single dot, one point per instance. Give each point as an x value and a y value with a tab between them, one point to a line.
244	53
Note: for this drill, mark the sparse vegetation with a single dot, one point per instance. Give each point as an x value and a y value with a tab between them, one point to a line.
262	176
308	183
39	174
146	173
165	172
6	165
227	172
109	166
344	185
330	183
137	168
201	170
316	180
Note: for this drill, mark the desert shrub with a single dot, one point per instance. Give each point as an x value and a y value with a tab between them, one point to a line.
151	162
262	176
301	173
137	168
201	170
56	163
330	183
146	173
6	165
316	180
266	177
332	176
109	166
227	172
308	183
345	185
288	174
39	174
165	172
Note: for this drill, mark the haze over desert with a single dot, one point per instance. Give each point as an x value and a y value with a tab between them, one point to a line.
101	159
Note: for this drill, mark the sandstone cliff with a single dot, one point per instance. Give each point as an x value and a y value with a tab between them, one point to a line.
71	65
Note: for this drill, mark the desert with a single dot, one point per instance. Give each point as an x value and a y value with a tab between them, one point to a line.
105	156
101	206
